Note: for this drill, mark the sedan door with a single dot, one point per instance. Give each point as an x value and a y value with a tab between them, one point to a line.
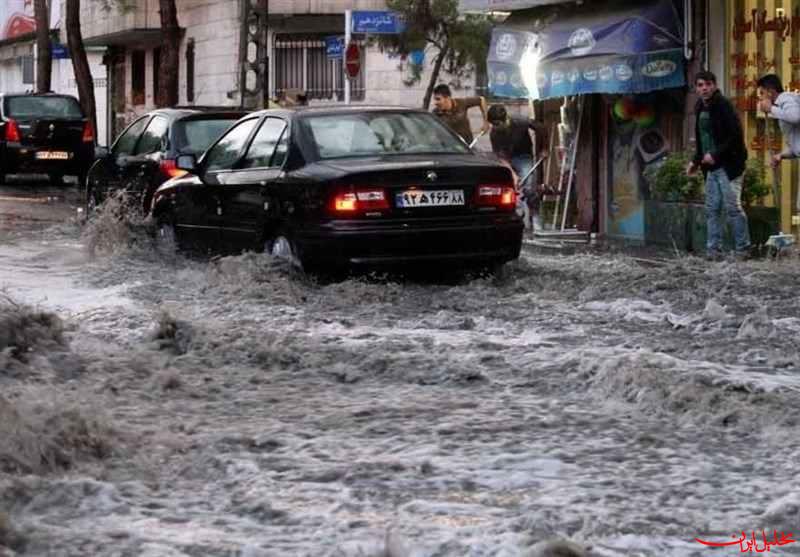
248	192
106	175
142	173
200	206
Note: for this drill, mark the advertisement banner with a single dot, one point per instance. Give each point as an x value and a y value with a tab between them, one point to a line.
627	48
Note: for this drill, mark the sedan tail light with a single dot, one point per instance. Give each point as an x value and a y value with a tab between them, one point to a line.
88	133
496	195
169	168
353	201
12	131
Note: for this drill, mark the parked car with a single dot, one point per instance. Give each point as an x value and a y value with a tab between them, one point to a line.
143	155
44	134
343	187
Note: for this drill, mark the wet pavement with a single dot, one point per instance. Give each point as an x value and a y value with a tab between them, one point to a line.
152	404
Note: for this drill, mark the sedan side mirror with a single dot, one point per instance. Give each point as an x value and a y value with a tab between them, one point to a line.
100	152
186	162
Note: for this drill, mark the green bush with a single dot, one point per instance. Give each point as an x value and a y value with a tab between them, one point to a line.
754	185
669	182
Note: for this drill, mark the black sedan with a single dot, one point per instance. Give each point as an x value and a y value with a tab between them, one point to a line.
344	187
44	134
143	155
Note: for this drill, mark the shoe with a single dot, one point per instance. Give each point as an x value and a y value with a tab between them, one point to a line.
714	256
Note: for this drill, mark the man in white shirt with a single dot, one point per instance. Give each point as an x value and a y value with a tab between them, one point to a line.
784	107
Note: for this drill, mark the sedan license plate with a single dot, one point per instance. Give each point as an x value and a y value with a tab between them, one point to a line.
429	198
52	155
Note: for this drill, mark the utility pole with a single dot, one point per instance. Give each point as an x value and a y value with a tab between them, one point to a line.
254	54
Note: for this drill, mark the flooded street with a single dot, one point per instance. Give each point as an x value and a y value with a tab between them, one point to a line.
157	405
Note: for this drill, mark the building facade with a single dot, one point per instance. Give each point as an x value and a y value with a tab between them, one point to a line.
18	57
210	55
747	39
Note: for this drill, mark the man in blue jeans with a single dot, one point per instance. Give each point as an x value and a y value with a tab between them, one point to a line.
721	154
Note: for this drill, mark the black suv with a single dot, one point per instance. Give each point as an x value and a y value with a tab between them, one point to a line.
44	133
143	156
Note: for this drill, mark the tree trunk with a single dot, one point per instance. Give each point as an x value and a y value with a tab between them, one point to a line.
437	66
167	94
44	57
83	75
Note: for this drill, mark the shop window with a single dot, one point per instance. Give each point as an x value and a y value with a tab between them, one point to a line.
301	64
137	77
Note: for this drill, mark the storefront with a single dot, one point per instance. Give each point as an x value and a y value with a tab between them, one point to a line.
761	37
620	68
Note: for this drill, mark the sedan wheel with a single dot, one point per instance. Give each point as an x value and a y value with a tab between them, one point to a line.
283	248
91	203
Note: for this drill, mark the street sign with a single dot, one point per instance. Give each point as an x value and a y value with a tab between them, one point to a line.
352	60
334	47
381	23
59	51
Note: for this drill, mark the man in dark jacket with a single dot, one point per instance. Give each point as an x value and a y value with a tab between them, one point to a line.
511	142
721	154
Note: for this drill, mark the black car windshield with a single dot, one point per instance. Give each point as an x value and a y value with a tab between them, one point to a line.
42	107
380	133
195	135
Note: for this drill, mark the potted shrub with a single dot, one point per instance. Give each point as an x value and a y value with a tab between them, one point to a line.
675	200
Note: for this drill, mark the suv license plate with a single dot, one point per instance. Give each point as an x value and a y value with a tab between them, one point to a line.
52	155
429	198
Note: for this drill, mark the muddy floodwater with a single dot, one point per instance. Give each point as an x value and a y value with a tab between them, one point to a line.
163	406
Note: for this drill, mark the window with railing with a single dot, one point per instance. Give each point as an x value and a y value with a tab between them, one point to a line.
301	64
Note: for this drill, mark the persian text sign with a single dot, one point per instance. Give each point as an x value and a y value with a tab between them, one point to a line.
386	23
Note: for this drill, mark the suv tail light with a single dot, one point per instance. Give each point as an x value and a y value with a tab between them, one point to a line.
12	131
352	201
169	168
496	195
88	133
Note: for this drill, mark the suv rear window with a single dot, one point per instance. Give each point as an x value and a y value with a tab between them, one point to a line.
43	107
195	136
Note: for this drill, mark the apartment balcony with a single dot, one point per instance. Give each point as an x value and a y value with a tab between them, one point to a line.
138	25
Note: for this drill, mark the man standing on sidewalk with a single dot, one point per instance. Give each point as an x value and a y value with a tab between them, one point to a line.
785	108
721	155
453	112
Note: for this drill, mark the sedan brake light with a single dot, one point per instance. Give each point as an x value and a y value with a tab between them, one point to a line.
169	168
88	133
12	131
349	201
497	195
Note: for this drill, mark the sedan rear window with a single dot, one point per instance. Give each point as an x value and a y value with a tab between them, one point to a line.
380	133
42	107
194	136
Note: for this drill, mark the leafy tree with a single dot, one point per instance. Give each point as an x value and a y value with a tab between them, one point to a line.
461	42
44	57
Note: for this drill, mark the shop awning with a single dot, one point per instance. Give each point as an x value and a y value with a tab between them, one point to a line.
625	47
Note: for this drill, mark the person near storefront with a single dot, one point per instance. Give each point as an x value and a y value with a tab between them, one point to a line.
785	108
721	155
